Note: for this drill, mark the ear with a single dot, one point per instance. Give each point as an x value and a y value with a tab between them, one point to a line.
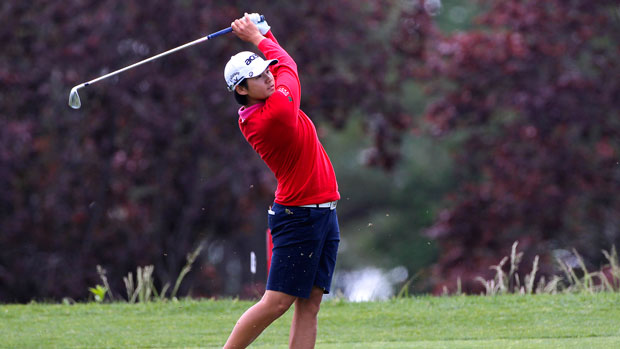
242	90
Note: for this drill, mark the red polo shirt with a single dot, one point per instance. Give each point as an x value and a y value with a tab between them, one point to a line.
286	139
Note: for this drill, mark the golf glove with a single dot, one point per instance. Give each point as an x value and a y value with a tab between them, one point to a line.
263	27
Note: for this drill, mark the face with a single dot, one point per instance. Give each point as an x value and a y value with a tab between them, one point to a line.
259	87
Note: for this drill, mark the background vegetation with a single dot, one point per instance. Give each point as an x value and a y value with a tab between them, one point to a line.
453	133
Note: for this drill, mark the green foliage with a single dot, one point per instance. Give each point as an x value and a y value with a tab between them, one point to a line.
98	292
457	16
382	214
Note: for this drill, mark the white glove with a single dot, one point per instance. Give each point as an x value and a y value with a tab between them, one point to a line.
263	27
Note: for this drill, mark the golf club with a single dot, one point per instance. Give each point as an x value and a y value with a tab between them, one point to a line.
74	98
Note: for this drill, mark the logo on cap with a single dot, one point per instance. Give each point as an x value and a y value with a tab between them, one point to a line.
234	78
250	59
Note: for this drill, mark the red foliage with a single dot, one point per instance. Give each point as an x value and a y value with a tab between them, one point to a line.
536	94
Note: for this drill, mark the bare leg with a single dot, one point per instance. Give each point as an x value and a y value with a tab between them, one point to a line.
254	321
305	320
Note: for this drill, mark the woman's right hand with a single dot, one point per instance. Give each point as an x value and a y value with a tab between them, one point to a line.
246	30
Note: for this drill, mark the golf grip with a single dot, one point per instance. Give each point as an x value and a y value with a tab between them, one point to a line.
221	32
229	29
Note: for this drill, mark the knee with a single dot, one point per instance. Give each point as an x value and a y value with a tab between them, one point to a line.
309	308
281	307
277	306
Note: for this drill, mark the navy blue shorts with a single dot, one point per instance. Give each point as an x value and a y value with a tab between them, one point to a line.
305	244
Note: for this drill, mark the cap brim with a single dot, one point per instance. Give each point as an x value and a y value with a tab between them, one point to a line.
260	68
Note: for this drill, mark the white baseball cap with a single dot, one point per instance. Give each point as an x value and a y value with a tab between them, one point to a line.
244	65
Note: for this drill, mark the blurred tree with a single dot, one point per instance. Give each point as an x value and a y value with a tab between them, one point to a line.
533	96
154	163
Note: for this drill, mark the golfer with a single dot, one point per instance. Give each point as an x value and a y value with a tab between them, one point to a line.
303	220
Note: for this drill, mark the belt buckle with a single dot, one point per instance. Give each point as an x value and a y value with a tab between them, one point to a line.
332	205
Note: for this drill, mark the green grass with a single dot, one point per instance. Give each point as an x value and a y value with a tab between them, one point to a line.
508	321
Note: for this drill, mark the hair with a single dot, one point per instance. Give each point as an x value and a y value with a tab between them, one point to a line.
241	99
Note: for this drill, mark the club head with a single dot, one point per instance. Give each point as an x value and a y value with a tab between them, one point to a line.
74	99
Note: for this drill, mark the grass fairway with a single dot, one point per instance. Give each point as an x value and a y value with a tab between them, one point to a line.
541	321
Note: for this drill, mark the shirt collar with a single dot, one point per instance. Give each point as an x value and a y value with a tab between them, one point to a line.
245	113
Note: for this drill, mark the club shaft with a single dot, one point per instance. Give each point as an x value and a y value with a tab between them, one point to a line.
204	38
